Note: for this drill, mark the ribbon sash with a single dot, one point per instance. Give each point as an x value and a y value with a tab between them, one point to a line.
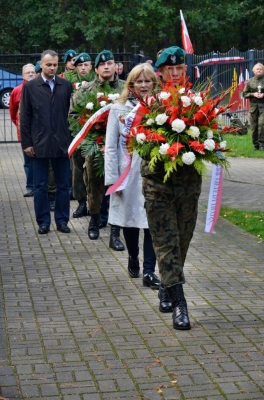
133	119
215	197
101	113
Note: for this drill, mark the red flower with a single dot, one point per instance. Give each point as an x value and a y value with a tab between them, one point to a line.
174	149
100	140
197	146
82	120
155	137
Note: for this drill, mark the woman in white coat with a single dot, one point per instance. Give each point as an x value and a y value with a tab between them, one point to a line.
127	204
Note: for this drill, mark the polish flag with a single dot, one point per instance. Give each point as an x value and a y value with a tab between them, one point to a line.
186	41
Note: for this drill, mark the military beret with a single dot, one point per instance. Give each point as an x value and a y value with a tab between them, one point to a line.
69	55
104	56
171	56
81	58
38	67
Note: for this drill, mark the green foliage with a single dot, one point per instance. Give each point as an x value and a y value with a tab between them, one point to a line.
241	146
118	24
249	221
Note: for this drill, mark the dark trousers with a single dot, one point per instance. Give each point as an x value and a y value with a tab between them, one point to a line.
28	168
131	236
61	169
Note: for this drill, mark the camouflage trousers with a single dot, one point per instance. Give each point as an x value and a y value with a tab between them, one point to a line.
257	124
78	185
95	187
172	213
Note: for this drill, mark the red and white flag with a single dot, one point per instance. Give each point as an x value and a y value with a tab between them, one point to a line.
186	41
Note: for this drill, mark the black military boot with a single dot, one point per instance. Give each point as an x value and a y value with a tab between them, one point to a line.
179	307
81	210
133	267
115	242
165	303
93	228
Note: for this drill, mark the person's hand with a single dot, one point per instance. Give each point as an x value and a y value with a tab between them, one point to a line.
30	151
258	95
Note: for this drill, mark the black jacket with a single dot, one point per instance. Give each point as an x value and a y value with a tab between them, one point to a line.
43	117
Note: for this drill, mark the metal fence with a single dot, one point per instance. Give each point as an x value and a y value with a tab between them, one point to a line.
219	66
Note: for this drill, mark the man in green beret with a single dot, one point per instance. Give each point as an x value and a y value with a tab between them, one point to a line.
171	64
83	64
68	60
105	68
172	209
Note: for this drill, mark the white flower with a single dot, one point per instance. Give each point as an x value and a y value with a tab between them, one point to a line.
164	95
182	90
150	121
113	96
163	148
193	131
210	135
188	158
222	144
140	138
161	119
186	101
209	144
99	94
103	103
178	125
90	106
198	100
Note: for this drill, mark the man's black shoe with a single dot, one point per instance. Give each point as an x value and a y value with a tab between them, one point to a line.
52	205
115	242
133	267
102	225
165	303
180	315
43	230
29	194
256	148
81	210
262	148
63	228
151	280
93	228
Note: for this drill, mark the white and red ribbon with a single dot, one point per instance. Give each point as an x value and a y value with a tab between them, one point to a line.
215	197
134	118
96	117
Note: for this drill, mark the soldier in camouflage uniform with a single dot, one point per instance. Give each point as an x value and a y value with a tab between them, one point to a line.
105	72
83	73
254	91
172	208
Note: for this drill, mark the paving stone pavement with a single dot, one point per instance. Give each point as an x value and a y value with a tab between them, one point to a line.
74	326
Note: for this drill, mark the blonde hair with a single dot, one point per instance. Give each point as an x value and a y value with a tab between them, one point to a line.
132	77
258	65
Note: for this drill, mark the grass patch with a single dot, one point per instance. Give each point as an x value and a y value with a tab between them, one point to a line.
250	221
241	146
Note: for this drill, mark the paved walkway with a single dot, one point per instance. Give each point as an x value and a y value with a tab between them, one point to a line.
74	326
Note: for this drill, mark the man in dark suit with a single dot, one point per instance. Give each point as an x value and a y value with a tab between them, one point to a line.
45	136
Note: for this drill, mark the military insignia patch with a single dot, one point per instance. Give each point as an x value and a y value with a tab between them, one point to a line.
103	57
81	58
173	59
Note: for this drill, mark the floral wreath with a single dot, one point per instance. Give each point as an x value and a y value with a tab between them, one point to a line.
180	127
88	103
